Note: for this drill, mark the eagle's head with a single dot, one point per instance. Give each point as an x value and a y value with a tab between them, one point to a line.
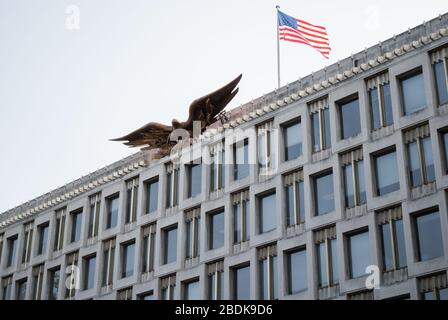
176	124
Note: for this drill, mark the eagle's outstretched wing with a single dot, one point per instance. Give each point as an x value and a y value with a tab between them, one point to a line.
206	108
152	135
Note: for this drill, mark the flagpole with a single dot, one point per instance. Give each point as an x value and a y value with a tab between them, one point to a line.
278	50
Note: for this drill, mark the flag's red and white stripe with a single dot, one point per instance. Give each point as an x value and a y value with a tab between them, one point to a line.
307	33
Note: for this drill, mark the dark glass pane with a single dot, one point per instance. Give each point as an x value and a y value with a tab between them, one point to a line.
387	102
76	226
429	163
429	236
439	72
300	188
264	281
267	213
217	230
43	240
290	205
348	186
189	239
401	246
152	196
361	181
241	160
195	180
327	133
297	273
169	182
359	254
323	194
414	98
350	122
386	241
274	277
113	212
241	283
145	253
90	273
237	223
386	173
322	264
316	131
128	205
293	141
213	165
12	244
192	291
445	147
212	283
170	245
54	284
223	169
443	294
375	108
128	260
21	290
334	261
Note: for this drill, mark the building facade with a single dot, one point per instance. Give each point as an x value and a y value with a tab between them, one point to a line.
300	194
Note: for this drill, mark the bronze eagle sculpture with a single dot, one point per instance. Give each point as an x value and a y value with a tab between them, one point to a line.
206	109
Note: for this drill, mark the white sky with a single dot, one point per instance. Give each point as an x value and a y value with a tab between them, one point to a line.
64	93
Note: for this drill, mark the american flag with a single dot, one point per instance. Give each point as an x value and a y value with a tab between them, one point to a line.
300	31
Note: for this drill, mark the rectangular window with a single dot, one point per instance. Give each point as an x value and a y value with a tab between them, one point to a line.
349	117
241	282
124	294
7	288
192	217
295	198
146	296
21	289
12	251
386	172
354	181
216	229
108	262
392	239
413	92
358	253
131	200
428	235
191	290
170	245
241	224
38	278
76	220
217	167
94	215
127	259
439	63
327	257
265	147
320	124
241	159
112	211
296	271
323	193
42	231
444	136
152	195
167	286
380	101
71	271
216	280
267	212
433	287
292	135
194	174
89	272
27	246
54	276
421	165
172	185
1	248
267	257
149	238
59	229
